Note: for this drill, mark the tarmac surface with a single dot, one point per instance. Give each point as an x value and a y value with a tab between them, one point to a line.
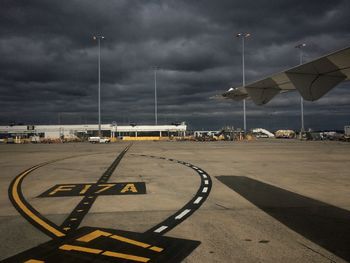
258	201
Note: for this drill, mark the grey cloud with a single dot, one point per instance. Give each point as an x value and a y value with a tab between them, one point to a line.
48	59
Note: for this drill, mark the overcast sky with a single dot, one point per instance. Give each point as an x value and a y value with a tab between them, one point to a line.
48	63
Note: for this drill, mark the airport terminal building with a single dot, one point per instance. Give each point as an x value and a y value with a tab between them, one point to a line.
86	130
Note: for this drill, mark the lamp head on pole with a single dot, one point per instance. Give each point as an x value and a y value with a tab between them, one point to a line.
97	37
244	34
300	45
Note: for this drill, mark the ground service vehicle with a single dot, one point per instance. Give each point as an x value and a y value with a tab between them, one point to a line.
99	140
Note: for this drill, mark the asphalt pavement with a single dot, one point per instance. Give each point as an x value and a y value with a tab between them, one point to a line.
257	201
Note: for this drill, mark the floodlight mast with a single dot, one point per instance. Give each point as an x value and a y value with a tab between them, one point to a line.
302	128
155	68
98	38
243	35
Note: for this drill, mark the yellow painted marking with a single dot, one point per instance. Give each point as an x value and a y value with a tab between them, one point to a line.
125	256
26	210
105	187
130	241
86	187
157	249
66	228
136	243
98	233
93	235
81	249
129	188
73	219
62	188
34	261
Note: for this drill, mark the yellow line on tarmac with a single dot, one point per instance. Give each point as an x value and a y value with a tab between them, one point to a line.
136	243
105	253
130	241
93	235
98	233
125	256
81	249
26	210
157	249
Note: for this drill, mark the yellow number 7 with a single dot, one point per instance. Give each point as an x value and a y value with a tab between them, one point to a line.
105	187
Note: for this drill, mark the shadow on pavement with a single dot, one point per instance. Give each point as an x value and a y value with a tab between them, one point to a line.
322	223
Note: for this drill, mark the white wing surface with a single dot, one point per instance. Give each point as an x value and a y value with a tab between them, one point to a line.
312	80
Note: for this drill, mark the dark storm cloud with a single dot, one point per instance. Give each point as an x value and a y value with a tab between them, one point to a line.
48	60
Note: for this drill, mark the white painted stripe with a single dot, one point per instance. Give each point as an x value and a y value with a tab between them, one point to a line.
198	200
194	167
206	182
200	171
158	230
185	212
205	189
204	176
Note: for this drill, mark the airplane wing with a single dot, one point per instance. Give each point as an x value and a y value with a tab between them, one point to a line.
312	80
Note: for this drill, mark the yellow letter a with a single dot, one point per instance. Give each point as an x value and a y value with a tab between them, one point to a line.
129	188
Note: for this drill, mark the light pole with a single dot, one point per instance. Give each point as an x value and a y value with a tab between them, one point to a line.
98	38
302	129
155	95
243	36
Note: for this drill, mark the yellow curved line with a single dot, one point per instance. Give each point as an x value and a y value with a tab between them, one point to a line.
26	210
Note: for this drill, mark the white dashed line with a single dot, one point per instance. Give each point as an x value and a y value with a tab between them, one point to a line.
194	167
198	200
158	230
204	176
206	182
200	171
205	189
185	212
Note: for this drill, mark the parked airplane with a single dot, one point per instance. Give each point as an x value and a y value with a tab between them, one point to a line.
312	80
